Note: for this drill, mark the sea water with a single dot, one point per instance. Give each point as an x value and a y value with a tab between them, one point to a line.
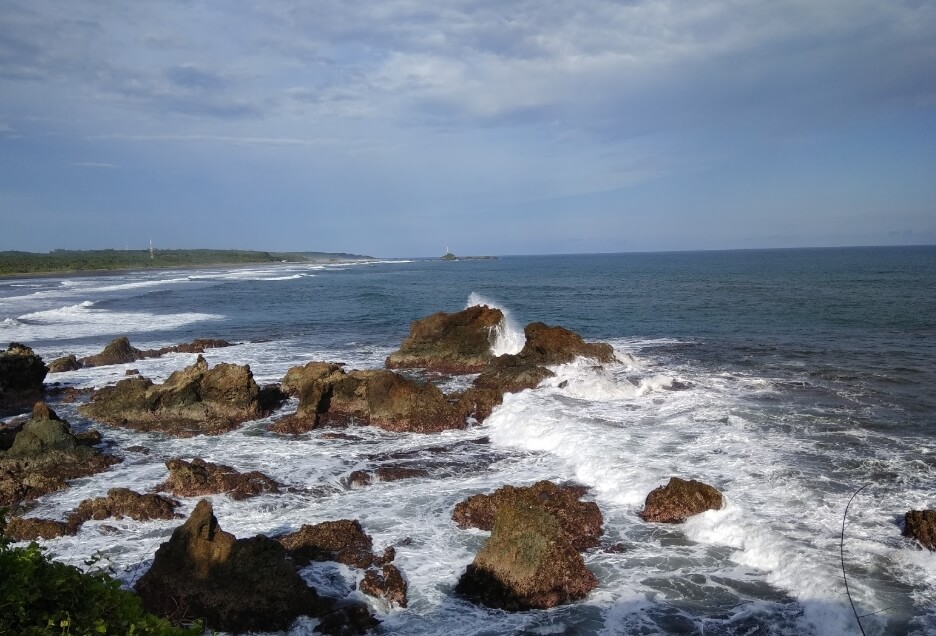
786	378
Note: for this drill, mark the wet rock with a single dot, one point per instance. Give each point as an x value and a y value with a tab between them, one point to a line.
386	473
920	525
343	541
44	455
198	478
66	363
32	529
347	619
123	502
271	398
459	342
299	380
527	563
192	401
235	585
142	450
506	374
9	431
130	372
22	373
558	345
199	345
580	521
680	499
68	394
118	351
387	583
312	384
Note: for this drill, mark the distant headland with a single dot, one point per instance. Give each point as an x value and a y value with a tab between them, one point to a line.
448	256
14	262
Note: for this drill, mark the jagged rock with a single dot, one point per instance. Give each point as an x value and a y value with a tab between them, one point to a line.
235	585
198	478
9	431
343	541
66	363
123	502
45	454
527	563
31	529
199	345
505	374
558	345
680	499
118	351
451	343
194	400
299	380
386	473
347	619
580	521
387	583
22	373
921	526
376	398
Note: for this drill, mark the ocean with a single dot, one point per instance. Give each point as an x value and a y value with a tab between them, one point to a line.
786	378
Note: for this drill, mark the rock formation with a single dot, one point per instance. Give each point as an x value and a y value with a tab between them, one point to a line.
343	541
680	499
120	351
123	502
22	373
505	374
386	583
558	345
198	478
921	526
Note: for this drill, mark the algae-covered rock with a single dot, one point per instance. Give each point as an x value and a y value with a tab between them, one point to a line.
198	478
343	541
22	373
680	499
920	525
557	345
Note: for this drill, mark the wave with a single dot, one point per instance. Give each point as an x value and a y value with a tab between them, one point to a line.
508	336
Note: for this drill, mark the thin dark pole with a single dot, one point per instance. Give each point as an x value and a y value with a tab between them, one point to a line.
842	555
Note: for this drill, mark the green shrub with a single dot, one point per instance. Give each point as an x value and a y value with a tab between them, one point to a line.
42	596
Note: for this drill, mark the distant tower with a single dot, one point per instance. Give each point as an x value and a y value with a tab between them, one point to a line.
151	249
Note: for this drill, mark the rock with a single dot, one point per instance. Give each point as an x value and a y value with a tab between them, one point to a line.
67	363
527	563
376	398
680	499
299	380
118	351
192	401
44	454
451	343
199	345
387	583
31	529
235	585
131	372
198	478
123	502
580	521
343	541
506	374
347	619
558	345
9	431
386	473
920	525
22	373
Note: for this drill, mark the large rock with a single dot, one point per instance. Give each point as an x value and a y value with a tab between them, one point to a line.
451	343
921	526
235	585
63	364
198	478
123	502
386	583
44	455
192	401
580	521
31	529
118	351
505	374
329	396
22	373
343	541
558	345
680	499
527	563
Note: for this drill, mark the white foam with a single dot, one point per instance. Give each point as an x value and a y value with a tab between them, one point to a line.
508	337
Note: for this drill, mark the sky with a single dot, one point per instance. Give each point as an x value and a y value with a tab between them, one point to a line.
402	127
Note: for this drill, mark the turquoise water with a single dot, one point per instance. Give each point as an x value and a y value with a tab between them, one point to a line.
787	378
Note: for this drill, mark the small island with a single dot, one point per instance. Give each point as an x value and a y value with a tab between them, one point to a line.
448	256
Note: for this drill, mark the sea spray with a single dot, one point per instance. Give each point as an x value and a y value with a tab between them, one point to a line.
508	337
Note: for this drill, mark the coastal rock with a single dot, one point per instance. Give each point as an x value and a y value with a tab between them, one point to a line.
680	499
386	473
505	374
194	400
299	380
66	363
198	477
558	345
45	453
22	373
920	525
199	345
459	342
343	541
580	521
387	583
527	563
235	585
118	351
32	529
123	502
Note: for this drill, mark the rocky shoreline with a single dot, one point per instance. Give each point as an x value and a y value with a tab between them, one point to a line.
531	560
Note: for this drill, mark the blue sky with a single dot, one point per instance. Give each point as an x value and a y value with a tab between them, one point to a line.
398	128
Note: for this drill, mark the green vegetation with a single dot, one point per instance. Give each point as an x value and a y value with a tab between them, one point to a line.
448	256
86	260
39	596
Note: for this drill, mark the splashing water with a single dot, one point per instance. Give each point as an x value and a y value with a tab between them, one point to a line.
508	336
